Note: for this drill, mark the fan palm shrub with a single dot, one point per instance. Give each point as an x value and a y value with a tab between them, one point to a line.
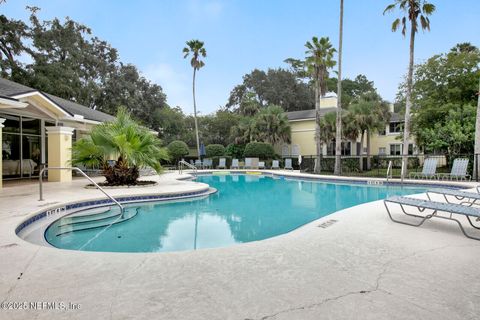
133	146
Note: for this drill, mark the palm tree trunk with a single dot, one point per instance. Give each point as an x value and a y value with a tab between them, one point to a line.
408	103
195	114
368	151
318	142
338	135
477	137
361	150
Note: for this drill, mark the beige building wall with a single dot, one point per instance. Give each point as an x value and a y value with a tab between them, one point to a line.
59	153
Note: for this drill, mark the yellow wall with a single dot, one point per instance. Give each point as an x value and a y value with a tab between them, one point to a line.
59	153
328	102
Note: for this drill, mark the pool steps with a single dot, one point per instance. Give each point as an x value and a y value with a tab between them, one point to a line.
96	222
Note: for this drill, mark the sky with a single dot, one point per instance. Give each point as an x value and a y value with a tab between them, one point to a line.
241	35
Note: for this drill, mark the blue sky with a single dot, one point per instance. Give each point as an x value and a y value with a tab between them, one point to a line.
241	35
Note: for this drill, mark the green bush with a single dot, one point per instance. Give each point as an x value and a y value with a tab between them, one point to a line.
235	150
177	150
260	150
214	150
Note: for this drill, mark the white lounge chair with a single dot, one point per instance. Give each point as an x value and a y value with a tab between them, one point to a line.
458	172
235	164
261	165
222	163
198	164
254	163
288	164
207	163
248	163
428	171
435	207
275	164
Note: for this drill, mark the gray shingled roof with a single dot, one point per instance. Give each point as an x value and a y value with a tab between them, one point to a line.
307	114
9	88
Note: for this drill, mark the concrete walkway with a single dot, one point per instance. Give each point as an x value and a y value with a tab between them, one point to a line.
356	265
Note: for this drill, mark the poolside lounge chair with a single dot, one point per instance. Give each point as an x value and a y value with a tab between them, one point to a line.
465	197
222	163
234	164
198	164
261	165
459	170
275	164
248	163
422	205
428	171
207	163
255	162
288	164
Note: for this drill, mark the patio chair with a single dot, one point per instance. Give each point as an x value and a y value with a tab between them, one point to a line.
422	205
275	164
255	162
222	163
428	171
261	165
198	164
234	164
207	163
288	164
458	172
248	163
465	197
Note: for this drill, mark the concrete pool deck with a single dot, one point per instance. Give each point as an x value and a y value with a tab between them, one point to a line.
353	264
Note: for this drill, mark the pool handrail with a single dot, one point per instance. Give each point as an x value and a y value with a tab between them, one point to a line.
40	181
182	163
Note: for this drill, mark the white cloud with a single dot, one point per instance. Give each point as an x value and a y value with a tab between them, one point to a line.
176	85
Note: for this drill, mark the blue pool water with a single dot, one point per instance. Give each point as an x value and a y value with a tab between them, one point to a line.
245	208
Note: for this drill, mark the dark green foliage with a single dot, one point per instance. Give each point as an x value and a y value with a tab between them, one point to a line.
260	150
177	150
213	150
235	150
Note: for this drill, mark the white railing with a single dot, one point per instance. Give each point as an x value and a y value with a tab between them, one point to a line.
40	180
183	163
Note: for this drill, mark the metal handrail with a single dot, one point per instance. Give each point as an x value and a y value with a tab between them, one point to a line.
185	163
40	180
389	170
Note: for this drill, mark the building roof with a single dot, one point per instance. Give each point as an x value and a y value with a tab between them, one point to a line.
308	114
11	89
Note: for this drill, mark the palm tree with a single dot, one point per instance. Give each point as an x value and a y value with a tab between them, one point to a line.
318	61
338	135
414	10
196	49
271	125
134	146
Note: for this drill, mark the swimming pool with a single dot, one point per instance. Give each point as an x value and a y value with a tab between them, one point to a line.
245	208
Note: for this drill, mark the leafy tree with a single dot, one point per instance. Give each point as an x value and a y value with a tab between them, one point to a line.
197	50
415	11
177	150
12	34
318	61
244	131
275	86
445	86
271	125
215	129
235	150
135	146
170	123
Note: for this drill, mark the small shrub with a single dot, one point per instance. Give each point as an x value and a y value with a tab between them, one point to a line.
235	150
177	150
214	150
260	150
